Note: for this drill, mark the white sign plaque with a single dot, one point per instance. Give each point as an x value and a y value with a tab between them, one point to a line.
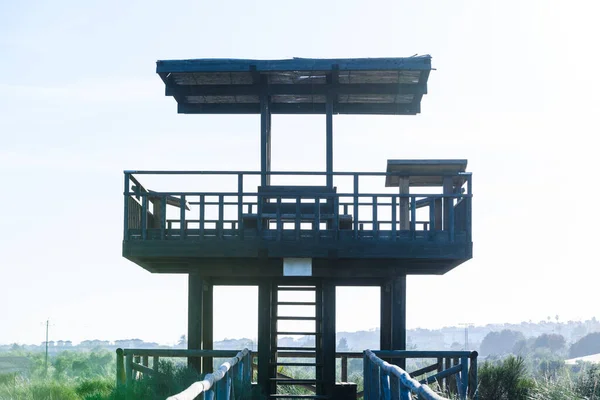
297	267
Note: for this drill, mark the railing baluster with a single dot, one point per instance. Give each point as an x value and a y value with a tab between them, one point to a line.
375	222
163	216
279	221
394	218
126	210
469	215
344	369
220	223
297	223
241	205
451	219
317	217
355	206
182	224
413	217
128	368
144	224
432	215
201	218
464	377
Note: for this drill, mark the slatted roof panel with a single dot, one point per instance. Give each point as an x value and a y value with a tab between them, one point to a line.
298	85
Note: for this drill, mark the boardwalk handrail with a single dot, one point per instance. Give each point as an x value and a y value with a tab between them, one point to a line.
221	379
385	381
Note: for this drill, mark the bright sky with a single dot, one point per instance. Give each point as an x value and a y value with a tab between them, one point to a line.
514	93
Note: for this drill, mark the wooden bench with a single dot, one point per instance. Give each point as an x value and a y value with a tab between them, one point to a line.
291	211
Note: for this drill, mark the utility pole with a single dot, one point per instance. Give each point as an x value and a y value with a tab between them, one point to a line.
46	363
466	325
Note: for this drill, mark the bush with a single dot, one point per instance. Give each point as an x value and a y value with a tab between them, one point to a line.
506	380
588	384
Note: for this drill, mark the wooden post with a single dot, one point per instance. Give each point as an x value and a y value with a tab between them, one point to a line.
473	393
328	335
385	322
121	378
344	362
329	140
399	317
264	335
128	369
195	327
448	201
438	221
265	139
404	187
207	324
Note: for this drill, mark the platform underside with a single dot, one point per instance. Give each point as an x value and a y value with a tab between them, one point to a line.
256	256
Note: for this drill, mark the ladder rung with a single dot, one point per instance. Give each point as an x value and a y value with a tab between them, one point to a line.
293	354
297	348
298	396
287	381
297	364
289	318
298	333
297	303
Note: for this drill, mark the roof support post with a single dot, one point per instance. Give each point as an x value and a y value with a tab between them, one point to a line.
385	322
332	80
265	139
207	324
195	326
399	317
328	336
264	335
329	139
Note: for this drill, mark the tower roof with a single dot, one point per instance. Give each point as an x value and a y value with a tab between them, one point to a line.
297	86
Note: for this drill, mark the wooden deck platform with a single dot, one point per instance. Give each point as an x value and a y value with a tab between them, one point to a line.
336	226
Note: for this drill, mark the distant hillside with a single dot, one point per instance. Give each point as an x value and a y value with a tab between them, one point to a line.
422	339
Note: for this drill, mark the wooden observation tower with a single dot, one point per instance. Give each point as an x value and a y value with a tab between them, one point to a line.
263	228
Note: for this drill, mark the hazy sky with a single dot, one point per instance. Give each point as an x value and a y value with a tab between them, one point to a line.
514	92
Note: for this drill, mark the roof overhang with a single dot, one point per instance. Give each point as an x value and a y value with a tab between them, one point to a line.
297	86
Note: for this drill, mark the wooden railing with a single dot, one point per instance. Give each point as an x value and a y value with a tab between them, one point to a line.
222	383
386	381
294	212
132	364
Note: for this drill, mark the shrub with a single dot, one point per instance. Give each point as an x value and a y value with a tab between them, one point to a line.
506	380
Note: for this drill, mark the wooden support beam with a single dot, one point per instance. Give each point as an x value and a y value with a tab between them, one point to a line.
404	189
448	189
195	308
385	333
328	315
265	139
399	317
297	108
298	90
207	324
264	335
